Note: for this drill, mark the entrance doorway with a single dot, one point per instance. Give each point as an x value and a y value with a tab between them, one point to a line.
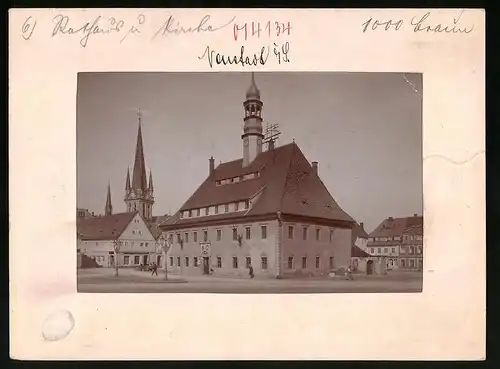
206	265
111	261
145	260
369	267
158	260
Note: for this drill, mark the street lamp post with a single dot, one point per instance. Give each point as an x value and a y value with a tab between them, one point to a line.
116	247
165	246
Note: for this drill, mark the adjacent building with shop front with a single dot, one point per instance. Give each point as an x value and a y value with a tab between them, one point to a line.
391	239
268	208
97	236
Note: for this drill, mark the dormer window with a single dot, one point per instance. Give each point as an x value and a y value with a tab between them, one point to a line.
190	213
236	206
247	204
206	211
198	212
226	208
216	209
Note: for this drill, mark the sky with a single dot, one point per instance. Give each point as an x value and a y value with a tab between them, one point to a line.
364	129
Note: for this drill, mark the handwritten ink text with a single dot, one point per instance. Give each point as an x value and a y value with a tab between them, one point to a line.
173	26
28	28
387	24
420	25
254	29
135	29
214	57
89	28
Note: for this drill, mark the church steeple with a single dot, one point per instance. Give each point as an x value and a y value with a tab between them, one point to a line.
138	195
127	181
108	209
252	129
150	186
139	172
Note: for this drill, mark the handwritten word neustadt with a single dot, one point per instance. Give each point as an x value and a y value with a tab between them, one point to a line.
280	52
97	26
419	24
254	29
173	26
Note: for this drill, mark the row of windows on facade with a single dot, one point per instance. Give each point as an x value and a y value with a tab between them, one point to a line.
216	209
248	234
410	263
385	250
125	243
237	179
248	261
396	238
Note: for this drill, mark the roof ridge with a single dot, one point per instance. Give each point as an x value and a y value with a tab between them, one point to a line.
285	181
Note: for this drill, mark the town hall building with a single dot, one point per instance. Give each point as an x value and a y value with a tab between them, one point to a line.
269	209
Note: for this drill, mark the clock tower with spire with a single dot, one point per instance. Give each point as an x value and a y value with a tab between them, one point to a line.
252	129
139	194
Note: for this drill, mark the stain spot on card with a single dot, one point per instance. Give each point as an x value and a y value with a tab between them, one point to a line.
58	325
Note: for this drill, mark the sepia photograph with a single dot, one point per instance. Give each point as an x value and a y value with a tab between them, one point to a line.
243	182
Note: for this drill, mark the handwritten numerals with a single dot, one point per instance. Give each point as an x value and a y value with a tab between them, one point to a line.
424	23
254	29
28	28
387	24
281	28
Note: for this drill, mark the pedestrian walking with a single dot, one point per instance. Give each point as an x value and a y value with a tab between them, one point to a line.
349	273
250	270
155	269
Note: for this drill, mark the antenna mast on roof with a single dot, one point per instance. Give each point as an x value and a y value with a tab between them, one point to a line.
272	134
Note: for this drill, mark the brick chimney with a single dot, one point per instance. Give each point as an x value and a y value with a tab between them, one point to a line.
362	225
211	167
315	167
415	215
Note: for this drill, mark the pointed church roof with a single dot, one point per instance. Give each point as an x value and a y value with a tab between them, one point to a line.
127	181
151	180
108	209
286	183
139	180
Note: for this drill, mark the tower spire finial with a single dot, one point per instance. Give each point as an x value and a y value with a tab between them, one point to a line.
253	92
108	209
139	180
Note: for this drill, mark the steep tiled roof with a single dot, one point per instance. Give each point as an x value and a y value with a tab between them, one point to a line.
358	232
286	183
356	252
154	224
414	230
391	227
108	227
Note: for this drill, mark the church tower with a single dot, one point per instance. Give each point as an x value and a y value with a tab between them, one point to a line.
108	209
252	130
138	194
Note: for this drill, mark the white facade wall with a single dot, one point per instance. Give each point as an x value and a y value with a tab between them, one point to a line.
136	243
226	249
338	248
